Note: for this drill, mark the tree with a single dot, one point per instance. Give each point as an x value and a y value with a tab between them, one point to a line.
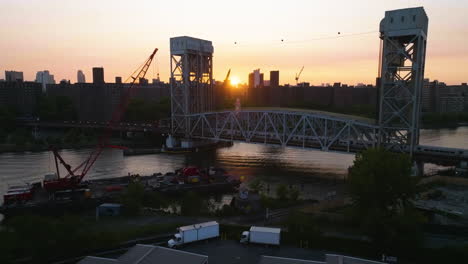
192	204
7	119
302	227
56	108
282	192
256	185
140	110
132	198
381	188
294	194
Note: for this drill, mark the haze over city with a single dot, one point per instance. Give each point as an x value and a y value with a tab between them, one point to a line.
334	40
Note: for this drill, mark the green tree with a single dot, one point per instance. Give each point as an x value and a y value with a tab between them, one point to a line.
192	204
7	119
132	199
155	200
256	185
20	137
282	192
302	227
381	187
294	194
56	108
140	110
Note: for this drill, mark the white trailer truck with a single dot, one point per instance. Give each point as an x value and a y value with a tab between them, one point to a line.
192	233
262	235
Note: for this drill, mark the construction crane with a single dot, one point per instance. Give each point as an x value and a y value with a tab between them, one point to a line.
226	80
299	75
76	175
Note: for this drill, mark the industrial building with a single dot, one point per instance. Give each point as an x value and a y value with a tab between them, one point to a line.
329	259
140	254
154	254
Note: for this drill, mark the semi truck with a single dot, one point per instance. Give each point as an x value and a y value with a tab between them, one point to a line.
193	233
262	235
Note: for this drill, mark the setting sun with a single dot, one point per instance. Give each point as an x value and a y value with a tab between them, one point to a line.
234	80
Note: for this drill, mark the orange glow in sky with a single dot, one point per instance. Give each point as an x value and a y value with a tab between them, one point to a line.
66	36
234	81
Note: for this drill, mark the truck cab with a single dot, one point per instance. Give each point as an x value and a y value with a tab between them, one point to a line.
245	237
176	241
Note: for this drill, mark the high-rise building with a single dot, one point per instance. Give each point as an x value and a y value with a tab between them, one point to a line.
44	78
98	75
255	79
274	79
80	77
251	80
118	79
451	103
22	96
13	76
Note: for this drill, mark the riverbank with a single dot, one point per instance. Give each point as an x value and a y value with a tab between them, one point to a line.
12	148
444	125
43	146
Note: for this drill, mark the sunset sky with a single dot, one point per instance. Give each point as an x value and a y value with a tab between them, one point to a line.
63	36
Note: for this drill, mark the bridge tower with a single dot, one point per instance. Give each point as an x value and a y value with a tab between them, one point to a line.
403	35
191	81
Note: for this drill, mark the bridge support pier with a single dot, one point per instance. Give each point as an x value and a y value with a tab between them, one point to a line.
171	142
417	169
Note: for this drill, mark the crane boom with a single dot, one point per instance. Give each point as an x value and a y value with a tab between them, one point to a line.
299	75
72	179
227	77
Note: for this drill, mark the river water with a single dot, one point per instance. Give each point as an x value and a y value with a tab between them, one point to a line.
272	163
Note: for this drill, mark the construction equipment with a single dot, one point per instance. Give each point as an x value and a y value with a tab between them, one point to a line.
226	80
73	179
299	75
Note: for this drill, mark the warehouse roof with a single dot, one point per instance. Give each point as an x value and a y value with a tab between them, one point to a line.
278	260
329	259
145	254
96	260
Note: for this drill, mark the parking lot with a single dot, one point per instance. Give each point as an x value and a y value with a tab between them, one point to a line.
232	252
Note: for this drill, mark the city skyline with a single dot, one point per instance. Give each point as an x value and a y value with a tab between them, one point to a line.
334	41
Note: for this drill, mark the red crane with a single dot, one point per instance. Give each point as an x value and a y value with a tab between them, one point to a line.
76	175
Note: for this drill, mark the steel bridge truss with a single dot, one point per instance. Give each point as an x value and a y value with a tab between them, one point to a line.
307	130
402	72
191	86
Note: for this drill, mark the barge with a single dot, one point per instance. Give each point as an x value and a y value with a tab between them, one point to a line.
88	194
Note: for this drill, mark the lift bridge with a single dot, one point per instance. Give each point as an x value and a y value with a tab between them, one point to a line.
403	35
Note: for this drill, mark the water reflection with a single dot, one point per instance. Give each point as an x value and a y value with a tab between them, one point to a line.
290	165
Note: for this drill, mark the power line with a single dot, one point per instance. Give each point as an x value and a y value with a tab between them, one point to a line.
286	41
